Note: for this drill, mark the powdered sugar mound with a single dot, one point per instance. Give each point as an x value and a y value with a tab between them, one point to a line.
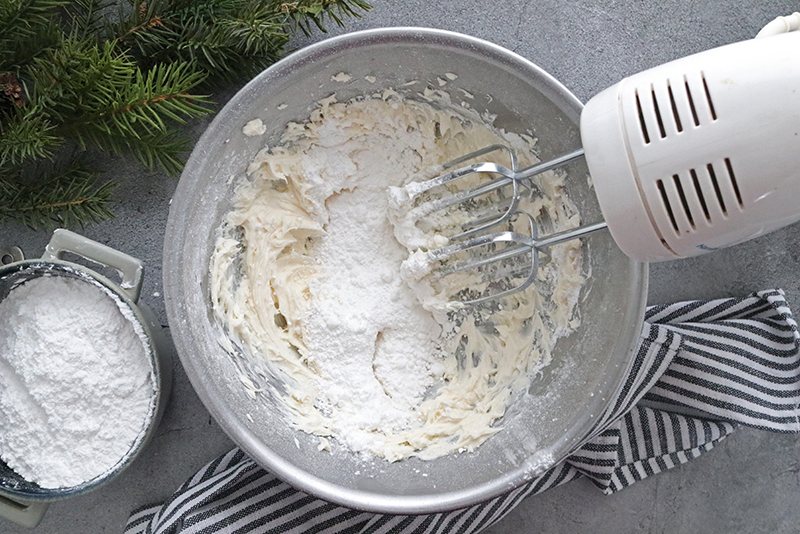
364	327
76	386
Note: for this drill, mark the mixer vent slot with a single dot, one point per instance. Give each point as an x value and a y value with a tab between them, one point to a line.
700	196
735	185
675	114
691	102
642	123
656	109
690	97
713	175
671	207
689	199
731	177
684	202
667	204
662	111
708	97
697	98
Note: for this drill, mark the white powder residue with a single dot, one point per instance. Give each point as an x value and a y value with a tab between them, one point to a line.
76	385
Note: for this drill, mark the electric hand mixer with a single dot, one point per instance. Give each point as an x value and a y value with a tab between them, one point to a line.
688	157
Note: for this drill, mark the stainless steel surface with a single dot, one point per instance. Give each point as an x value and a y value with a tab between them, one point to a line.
541	427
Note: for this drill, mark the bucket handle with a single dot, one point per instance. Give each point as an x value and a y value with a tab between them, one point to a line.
27	514
130	269
11	255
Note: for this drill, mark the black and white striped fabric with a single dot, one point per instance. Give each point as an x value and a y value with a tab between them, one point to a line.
702	369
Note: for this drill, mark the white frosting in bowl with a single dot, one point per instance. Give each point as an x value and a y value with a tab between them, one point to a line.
312	276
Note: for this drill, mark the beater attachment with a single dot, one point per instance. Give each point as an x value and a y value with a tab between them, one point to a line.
474	226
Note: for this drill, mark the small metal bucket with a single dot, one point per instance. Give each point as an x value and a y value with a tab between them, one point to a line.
24	502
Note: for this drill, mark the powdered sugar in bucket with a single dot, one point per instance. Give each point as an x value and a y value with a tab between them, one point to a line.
85	371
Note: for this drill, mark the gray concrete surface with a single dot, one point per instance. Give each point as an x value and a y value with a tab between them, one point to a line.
749	484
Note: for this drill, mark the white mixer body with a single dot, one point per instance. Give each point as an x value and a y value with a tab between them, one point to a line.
700	153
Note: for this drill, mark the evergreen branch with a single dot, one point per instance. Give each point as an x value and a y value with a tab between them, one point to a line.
24	17
26	28
86	17
71	75
141	105
228	39
111	104
24	140
146	25
66	79
138	17
164	150
64	196
227	49
304	13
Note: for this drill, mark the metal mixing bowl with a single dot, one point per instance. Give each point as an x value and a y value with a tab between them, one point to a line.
542	427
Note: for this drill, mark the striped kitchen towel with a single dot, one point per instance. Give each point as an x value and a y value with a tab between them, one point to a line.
701	369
